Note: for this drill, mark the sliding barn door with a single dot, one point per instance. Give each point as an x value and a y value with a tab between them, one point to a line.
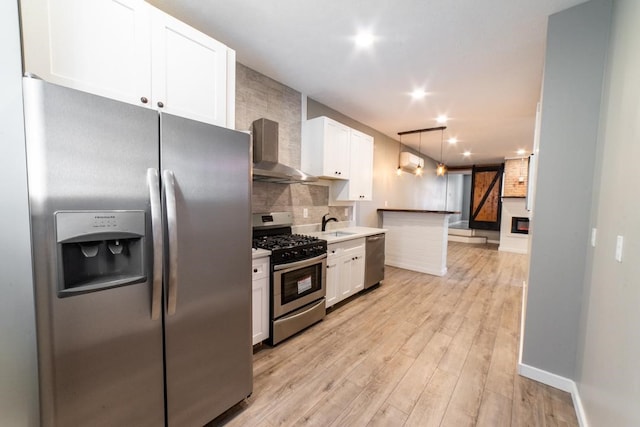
486	188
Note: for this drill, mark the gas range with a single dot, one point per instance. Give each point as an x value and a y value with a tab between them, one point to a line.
272	231
297	280
286	247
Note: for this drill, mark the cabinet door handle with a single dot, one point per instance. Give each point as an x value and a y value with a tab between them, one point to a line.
255	270
160	104
144	100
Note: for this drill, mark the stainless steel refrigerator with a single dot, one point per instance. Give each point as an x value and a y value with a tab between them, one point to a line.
142	256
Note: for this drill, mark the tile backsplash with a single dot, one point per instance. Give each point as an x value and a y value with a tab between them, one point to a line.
295	198
259	96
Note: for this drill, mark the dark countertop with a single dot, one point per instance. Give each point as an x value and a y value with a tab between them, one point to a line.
418	211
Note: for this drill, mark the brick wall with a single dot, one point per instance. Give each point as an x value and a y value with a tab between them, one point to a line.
514	170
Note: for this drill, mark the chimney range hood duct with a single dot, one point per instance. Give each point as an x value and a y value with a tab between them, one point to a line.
265	156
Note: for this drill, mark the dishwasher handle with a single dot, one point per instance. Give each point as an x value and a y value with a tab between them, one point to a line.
374	238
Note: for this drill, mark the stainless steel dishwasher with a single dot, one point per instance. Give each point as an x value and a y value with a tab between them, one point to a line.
374	260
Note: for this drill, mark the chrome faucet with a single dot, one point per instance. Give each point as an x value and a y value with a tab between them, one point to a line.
325	220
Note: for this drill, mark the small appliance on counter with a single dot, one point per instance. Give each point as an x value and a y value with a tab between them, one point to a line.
297	275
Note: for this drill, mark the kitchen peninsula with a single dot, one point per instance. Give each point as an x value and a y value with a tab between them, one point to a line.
417	239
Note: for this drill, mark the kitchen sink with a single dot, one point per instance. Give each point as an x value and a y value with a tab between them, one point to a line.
337	233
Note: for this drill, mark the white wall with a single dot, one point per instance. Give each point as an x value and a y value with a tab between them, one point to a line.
513	242
18	367
608	363
455	196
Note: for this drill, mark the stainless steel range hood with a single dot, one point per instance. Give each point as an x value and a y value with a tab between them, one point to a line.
266	166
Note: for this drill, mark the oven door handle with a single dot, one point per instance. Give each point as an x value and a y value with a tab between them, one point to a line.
297	264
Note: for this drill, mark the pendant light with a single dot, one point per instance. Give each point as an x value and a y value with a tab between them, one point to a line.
399	170
441	169
419	168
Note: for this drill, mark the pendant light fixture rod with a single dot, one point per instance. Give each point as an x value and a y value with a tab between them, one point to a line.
407	132
419	168
441	143
399	169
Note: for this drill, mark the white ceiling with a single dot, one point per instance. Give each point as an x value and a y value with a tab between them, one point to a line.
479	61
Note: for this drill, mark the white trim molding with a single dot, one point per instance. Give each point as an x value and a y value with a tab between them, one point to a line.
561	383
553	380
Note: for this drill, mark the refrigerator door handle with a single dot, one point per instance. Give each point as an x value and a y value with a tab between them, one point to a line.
153	182
172	230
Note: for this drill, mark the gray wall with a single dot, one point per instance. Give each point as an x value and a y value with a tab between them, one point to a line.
608	367
18	372
574	65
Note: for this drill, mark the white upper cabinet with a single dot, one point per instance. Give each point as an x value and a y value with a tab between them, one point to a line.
98	46
333	150
189	71
360	183
130	51
325	148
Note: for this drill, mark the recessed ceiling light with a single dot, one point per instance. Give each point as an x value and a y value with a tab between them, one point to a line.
418	94
442	119
466	153
521	152
364	39
452	140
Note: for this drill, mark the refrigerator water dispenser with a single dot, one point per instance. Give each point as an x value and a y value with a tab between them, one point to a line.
99	250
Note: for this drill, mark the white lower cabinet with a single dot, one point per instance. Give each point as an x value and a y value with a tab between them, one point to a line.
260	299
345	270
333	279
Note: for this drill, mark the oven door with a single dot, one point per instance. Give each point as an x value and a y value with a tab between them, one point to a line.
297	284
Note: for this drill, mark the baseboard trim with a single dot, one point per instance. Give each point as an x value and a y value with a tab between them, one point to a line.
556	381
503	248
467	239
553	380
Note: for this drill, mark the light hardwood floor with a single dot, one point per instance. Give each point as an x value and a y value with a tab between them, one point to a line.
419	350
